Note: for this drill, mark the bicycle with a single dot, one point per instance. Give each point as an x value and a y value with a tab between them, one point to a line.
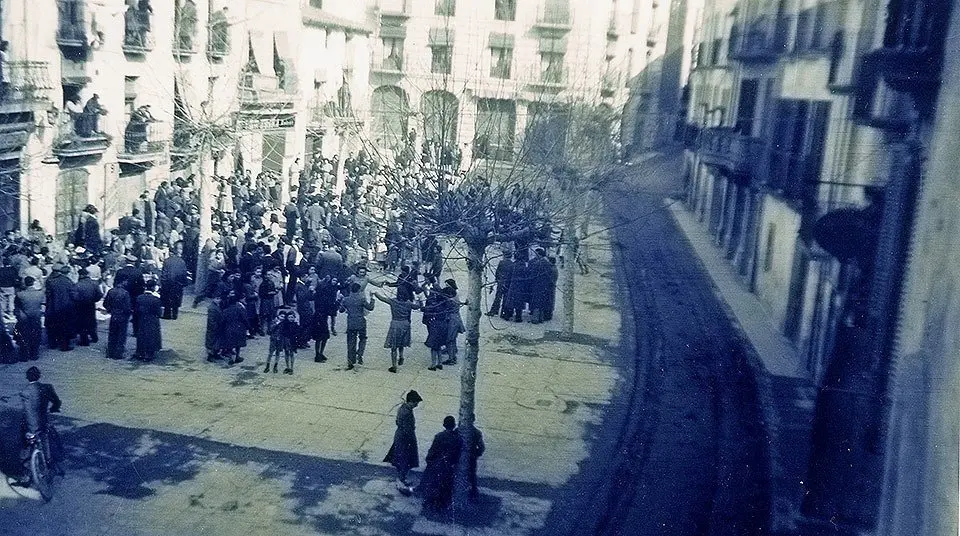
43	461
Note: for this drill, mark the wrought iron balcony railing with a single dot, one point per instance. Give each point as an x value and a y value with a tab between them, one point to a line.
729	150
137	37
554	15
143	141
261	90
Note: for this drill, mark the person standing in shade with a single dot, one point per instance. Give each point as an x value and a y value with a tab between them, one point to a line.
398	336
86	294
503	275
28	308
214	330
173	278
356	306
149	309
403	453
233	333
118	304
476	450
436	486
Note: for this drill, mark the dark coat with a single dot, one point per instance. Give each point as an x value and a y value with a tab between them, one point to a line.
233	327
59	296
38	399
134	278
539	268
403	453
436	486
519	290
149	309
214	327
504	274
173	277
118	304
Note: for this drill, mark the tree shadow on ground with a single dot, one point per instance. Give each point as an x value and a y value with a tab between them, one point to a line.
329	496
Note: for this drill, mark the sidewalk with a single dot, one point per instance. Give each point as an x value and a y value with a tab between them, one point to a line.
203	447
786	394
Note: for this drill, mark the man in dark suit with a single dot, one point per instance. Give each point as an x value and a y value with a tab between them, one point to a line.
148	309
173	278
86	294
39	400
60	308
28	308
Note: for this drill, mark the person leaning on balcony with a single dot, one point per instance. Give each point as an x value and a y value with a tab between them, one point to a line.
143	12
131	27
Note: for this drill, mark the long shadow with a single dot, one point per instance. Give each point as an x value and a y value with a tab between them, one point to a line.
134	464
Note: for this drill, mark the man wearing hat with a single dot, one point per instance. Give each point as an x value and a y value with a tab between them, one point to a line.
86	294
60	308
88	231
403	454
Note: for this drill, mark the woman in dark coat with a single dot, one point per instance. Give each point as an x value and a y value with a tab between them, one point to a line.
214	330
149	309
403	452
436	486
438	321
117	303
233	333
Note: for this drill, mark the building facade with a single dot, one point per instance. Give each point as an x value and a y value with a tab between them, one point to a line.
491	78
811	127
186	87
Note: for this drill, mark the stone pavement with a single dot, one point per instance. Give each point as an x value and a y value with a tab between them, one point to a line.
786	394
182	446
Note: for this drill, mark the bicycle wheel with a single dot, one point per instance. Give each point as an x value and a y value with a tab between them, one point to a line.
41	474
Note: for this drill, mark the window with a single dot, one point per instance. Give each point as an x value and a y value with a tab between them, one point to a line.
445	8
551	64
392	54
441	59
316	3
505	9
500	60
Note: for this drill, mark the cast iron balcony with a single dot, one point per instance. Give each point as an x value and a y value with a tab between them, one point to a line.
387	64
549	78
263	92
729	150
137	37
908	63
143	142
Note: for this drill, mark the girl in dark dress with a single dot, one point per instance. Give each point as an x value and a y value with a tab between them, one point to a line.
403	454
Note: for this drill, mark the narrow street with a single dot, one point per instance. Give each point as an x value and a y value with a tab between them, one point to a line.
684	455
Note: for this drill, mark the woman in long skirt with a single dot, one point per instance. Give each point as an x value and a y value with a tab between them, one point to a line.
398	336
403	453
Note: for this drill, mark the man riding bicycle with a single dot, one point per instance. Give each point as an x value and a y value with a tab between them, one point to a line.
39	399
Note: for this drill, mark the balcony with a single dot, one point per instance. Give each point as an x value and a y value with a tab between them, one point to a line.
29	81
551	79
70	145
554	17
265	93
762	40
71	30
137	38
185	30
908	63
329	114
729	150
143	142
387	64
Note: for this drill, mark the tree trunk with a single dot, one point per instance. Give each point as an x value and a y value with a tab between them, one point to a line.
569	269
468	374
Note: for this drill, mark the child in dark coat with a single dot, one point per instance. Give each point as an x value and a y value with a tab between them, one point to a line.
283	338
